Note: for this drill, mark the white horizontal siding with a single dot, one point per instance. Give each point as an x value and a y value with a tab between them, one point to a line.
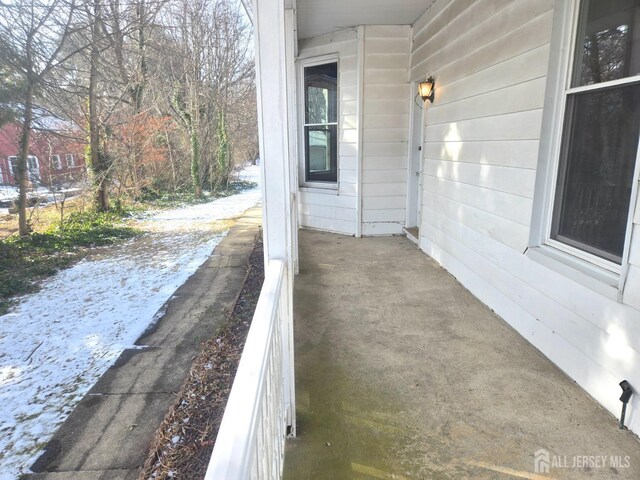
494	29
533	34
381	215
502	204
521	97
322	211
335	210
493	226
509	126
507	153
377	106
371	176
395	202
328	198
516	181
527	66
385	129
381	228
386	162
490	60
327	224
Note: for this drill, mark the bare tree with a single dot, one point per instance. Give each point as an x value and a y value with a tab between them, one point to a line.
212	69
160	90
35	33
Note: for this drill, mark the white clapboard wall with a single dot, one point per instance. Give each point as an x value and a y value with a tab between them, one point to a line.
385	129
327	209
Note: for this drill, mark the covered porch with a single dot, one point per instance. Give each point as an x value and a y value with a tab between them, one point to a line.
401	373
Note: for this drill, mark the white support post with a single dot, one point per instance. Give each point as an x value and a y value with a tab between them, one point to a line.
278	212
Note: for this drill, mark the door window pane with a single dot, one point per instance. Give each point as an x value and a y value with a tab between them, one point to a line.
596	173
608	42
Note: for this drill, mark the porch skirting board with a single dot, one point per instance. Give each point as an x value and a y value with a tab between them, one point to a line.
597	381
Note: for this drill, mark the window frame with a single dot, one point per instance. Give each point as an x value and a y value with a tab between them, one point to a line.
57	165
10	160
72	163
32	159
301	121
559	89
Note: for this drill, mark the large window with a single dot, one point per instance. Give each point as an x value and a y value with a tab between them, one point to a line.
600	136
321	122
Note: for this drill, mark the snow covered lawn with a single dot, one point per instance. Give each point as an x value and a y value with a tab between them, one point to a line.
55	344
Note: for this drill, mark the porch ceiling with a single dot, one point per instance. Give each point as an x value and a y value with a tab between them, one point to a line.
326	16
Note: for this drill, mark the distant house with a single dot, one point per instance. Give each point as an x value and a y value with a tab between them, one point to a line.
54	159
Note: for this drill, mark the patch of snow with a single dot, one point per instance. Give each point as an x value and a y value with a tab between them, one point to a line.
8	192
55	344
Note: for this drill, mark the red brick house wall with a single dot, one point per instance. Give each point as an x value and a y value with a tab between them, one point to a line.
57	159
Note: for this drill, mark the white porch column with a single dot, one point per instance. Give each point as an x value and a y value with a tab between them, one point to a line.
278	203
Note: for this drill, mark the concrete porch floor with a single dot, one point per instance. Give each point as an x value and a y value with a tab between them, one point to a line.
402	374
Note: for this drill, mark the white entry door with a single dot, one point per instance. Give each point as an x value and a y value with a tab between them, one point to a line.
414	170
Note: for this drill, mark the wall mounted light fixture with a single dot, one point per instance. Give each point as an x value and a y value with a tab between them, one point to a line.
426	89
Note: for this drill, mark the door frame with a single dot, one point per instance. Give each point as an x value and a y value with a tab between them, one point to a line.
414	161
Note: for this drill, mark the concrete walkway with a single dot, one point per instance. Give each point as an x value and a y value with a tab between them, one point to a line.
403	374
108	434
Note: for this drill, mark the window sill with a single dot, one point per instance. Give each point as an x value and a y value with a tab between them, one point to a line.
331	189
585	273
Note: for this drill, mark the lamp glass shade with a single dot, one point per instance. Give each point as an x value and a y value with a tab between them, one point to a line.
426	89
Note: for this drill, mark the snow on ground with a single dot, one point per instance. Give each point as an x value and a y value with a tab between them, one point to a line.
56	343
8	193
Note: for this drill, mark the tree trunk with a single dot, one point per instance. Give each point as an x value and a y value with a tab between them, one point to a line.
141	82
195	162
22	171
137	90
96	158
223	151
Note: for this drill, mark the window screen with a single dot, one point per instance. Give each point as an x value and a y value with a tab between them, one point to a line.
600	137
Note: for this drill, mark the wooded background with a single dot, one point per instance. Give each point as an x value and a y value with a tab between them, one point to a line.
161	92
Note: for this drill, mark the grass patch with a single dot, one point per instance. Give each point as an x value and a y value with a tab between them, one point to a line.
45	216
25	262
